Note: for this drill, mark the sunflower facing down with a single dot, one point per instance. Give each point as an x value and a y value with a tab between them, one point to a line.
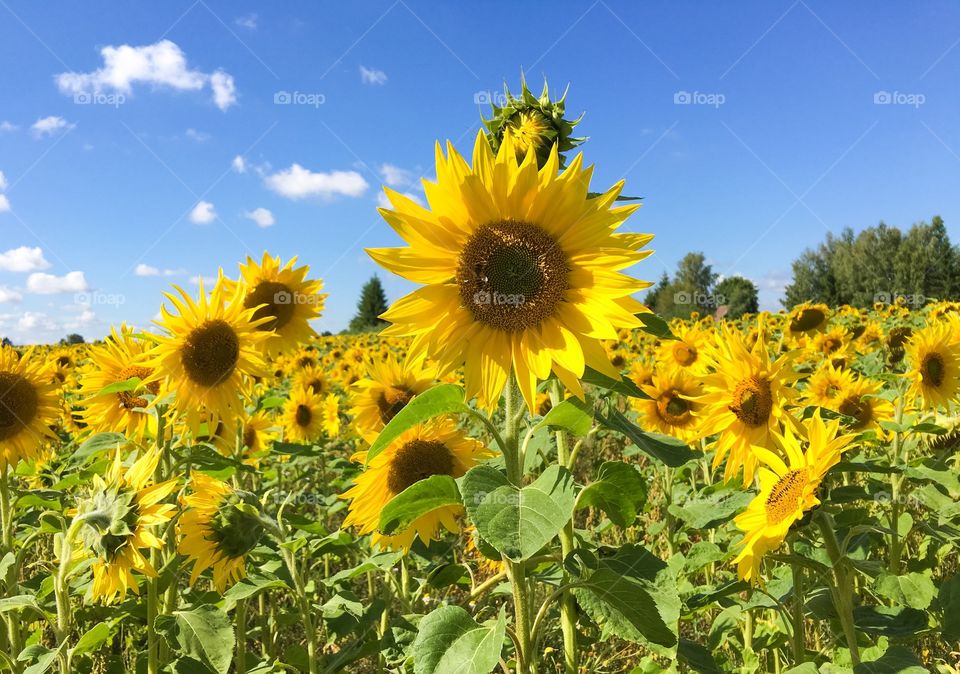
284	297
672	407
522	270
434	448
934	367
118	514
744	401
209	348
307	416
386	390
29	405
787	490
217	530
117	360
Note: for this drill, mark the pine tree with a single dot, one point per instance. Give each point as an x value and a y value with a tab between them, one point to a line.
373	302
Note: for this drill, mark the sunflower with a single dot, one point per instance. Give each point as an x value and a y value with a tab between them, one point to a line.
787	490
807	318
282	296
859	400
935	367
118	514
313	378
209	348
29	405
307	416
386	390
827	386
685	352
744	401
434	448
672	408
217	530
118	360
522	271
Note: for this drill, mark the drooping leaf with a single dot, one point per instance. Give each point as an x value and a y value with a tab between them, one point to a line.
668	450
449	640
573	415
417	500
440	399
619	491
204	633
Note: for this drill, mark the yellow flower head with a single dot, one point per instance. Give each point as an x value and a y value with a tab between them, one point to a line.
29	404
307	416
673	408
386	390
934	374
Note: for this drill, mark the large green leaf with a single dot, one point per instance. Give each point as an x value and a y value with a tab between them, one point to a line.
710	509
449	641
518	522
949	601
624	386
656	326
896	660
890	621
632	594
669	450
915	590
92	639
619	491
417	500
572	415
203	633
440	399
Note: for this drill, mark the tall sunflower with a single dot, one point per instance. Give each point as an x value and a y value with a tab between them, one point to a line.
686	352
744	401
307	416
386	390
118	514
522	270
117	360
284	297
787	490
29	405
827	385
672	408
208	349
934	367
218	529
434	448
860	400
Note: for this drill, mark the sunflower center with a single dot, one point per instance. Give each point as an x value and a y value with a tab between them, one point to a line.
18	404
831	344
303	416
933	369
249	437
684	354
753	401
858	408
392	400
275	300
128	400
673	409
784	498
808	319
512	275
210	353
317	385
528	128
417	460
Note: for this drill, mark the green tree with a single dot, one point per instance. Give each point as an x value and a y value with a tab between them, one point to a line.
738	294
373	302
71	339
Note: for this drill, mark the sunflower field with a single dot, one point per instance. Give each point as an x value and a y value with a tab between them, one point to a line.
525	471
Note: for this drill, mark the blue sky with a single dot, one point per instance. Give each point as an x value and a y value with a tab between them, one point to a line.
751	129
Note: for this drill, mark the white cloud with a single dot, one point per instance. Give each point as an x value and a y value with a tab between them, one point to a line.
48	284
249	21
4	203
261	216
3	182
85	318
148	270
394	176
297	182
372	76
162	64
49	126
199	136
32	320
23	259
239	164
207	280
203	213
6	126
383	202
9	295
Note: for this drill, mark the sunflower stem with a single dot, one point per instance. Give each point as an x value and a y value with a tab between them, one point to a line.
842	588
13	571
568	612
153	584
799	647
895	542
240	661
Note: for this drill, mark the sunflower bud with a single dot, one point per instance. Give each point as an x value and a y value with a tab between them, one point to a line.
236	525
111	518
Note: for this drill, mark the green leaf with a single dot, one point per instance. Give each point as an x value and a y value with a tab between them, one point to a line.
441	399
92	639
131	384
42	658
890	621
203	633
949	601
632	594
712	508
669	450
619	491
20	602
656	326
623	386
98	443
915	590
417	500
248	587
698	658
572	415
449	640
518	522
896	660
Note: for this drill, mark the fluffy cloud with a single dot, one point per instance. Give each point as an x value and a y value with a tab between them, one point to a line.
239	164
372	76
3	182
84	318
162	64
262	216
49	126
4	203
147	270
207	280
394	176
23	259
32	320
48	284
203	213
297	182
9	295
6	126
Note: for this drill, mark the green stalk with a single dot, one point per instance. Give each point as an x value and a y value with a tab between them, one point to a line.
13	572
895	542
240	661
153	584
61	591
799	647
568	613
842	588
